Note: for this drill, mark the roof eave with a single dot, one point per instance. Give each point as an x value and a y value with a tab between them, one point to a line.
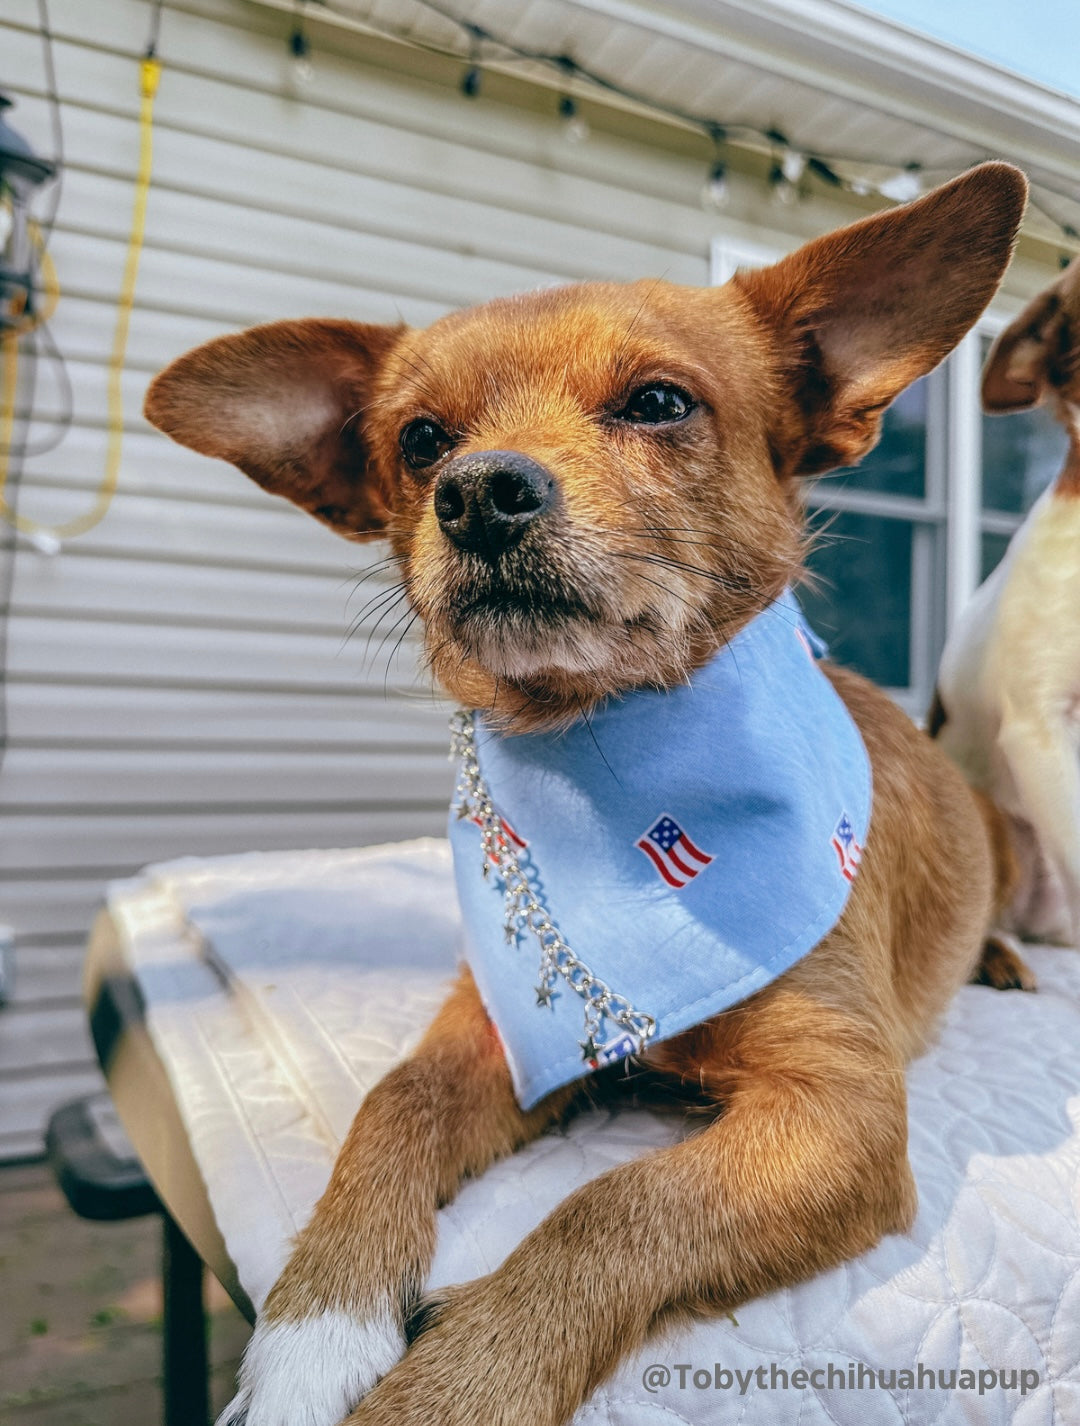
869	59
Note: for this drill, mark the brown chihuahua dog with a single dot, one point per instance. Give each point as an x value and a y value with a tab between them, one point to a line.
589	490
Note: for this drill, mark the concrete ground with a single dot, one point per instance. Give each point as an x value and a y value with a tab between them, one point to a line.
80	1314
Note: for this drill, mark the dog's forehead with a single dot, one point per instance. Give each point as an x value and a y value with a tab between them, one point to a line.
584	339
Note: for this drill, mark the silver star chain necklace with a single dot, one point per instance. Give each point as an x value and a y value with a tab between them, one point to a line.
524	913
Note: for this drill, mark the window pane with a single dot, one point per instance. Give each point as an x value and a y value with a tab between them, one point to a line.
1021	454
862	605
897	464
993	549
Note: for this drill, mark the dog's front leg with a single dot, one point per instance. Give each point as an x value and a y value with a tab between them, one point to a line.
806	1168
332	1324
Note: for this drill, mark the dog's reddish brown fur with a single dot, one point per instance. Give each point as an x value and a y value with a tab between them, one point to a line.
676	538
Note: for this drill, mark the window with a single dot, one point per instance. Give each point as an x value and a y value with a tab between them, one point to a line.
902	541
878	558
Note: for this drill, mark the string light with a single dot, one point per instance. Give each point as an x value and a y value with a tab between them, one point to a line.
716	190
903	186
794	166
790	165
471	79
303	70
781	189
575	128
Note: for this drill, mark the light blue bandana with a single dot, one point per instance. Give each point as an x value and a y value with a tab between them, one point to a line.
623	880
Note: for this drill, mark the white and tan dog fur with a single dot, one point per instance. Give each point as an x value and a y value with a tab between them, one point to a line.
1008	708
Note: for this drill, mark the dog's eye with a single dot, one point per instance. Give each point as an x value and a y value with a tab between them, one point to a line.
423	443
656	405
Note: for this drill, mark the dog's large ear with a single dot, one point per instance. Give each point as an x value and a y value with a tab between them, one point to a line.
859	314
285	403
1038	349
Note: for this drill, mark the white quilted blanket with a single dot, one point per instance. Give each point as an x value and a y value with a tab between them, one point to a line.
281	986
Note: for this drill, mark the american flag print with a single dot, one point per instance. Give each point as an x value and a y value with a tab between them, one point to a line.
508	832
672	853
617	1049
847	848
512	837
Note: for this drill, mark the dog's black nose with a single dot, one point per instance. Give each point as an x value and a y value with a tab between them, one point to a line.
485	500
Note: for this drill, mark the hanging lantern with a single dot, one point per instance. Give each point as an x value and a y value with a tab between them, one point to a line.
21	171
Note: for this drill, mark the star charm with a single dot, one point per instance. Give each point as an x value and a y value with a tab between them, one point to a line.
545	995
462	811
589	1048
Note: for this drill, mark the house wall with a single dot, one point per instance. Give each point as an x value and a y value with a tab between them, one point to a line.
180	680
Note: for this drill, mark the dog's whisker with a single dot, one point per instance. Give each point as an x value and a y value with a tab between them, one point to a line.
360	411
389	606
411	617
671	593
680	566
380	567
595	741
376	601
425	373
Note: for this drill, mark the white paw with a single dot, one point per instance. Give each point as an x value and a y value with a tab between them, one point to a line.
314	1371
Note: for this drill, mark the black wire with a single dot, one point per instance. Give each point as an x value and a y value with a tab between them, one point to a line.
155	30
7	585
16	455
10	545
56	117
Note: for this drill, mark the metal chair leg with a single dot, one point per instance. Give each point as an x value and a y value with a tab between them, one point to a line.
185	1385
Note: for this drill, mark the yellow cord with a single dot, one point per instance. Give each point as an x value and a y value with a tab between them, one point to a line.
150	74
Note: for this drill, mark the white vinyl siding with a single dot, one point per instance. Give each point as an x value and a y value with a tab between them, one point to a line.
179	679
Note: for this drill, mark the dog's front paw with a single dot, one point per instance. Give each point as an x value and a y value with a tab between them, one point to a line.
476	1358
313	1370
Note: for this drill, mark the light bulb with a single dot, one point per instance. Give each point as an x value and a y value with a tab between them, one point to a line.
783	191
575	128
902	187
303	71
715	192
793	165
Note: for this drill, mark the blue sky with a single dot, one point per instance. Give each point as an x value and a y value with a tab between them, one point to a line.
1036	38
